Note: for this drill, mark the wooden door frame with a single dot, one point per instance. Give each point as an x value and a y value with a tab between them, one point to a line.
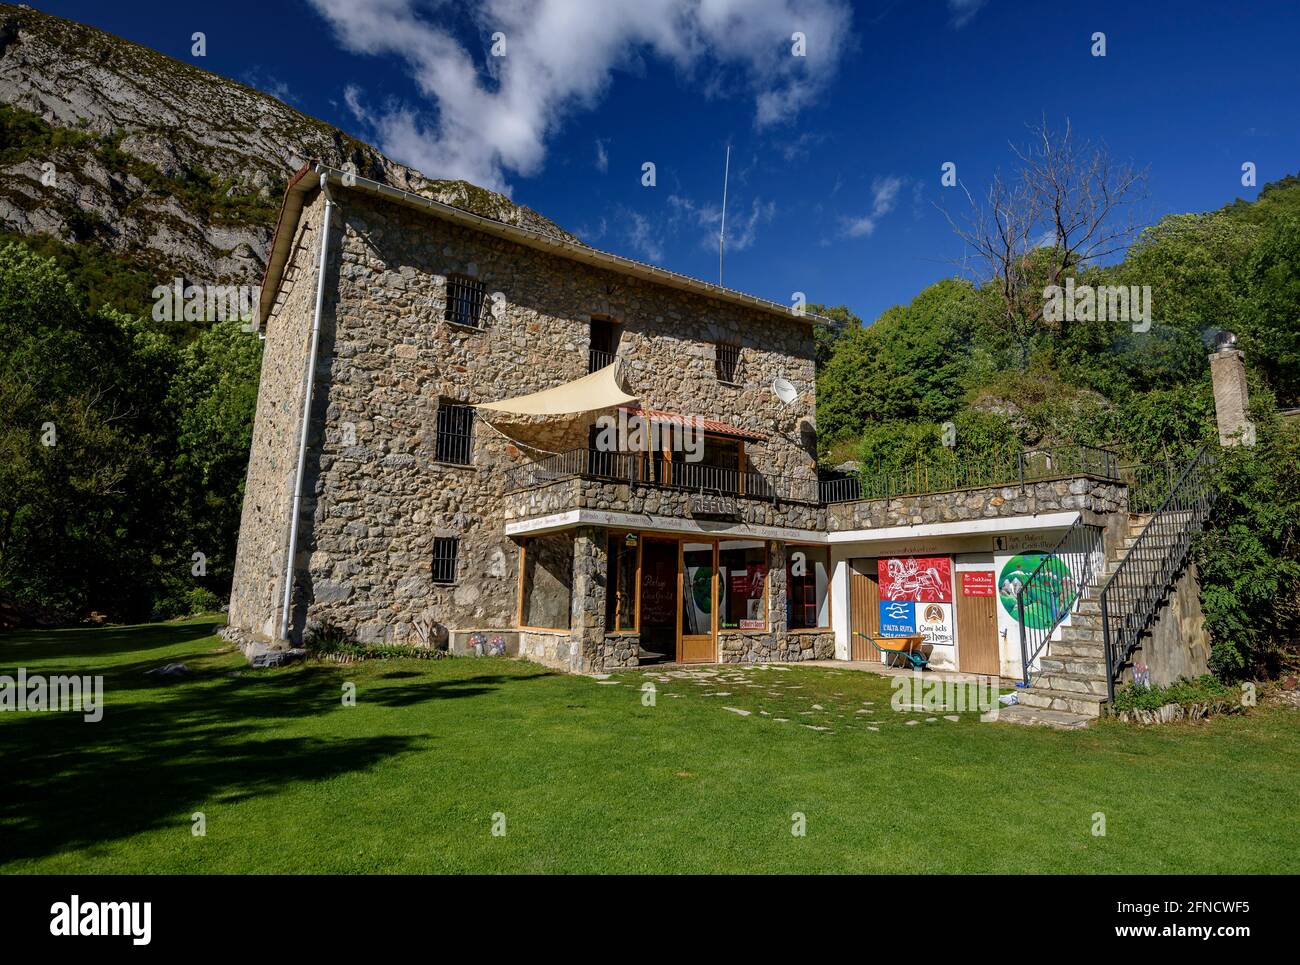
713	603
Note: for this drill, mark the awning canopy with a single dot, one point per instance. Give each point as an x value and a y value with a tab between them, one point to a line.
599	390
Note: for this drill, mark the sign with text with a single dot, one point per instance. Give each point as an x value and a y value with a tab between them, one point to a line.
897	618
711	504
934	622
978	583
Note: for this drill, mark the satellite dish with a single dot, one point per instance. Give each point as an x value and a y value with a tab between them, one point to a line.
784	390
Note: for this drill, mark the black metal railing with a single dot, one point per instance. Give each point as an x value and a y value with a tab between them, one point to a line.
1149	484
634	468
597	360
1142	581
938	476
1047	595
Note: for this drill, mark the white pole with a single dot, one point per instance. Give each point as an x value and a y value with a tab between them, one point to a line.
308	386
722	235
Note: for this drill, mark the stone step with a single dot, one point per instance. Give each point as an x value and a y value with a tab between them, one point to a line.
1072	683
1080	649
1038	716
1092	665
1088	705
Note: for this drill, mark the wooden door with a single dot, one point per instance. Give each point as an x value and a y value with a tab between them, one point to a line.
698	613
977	631
864	609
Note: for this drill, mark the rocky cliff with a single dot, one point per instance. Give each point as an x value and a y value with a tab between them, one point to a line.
170	169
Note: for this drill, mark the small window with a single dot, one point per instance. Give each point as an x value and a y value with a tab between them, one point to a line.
455	441
464	301
445	549
726	361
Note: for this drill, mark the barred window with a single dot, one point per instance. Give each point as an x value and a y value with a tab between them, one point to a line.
464	300
726	361
445	549
455	440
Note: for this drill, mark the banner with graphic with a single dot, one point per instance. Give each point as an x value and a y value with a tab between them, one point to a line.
916	597
921	579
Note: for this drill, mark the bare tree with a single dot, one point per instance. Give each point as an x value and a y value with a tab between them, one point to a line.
1067	205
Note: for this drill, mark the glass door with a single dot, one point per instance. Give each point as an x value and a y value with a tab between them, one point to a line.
698	603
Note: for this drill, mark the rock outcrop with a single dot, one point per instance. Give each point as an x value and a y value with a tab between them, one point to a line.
177	170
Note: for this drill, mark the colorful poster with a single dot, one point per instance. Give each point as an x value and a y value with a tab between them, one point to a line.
897	618
977	582
921	579
1051	594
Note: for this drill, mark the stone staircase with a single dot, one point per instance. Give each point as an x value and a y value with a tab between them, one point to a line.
1069	690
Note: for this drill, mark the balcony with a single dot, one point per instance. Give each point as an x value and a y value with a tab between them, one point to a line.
629	482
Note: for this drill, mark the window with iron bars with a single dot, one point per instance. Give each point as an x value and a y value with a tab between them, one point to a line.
445	549
726	361
465	301
455	440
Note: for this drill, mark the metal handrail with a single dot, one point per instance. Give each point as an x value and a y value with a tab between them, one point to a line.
1140	583
1078	554
1030	465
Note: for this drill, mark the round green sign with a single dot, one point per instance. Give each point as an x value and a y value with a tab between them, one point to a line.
1052	593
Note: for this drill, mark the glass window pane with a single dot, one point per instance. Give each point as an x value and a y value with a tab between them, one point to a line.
742	567
808	587
697	589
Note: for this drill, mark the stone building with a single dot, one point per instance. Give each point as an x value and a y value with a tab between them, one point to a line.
432	453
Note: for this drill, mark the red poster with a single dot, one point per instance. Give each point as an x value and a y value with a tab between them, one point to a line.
921	579
977	583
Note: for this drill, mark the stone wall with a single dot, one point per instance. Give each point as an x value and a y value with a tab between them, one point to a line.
548	581
258	586
1178	644
1084	493
375	497
647	499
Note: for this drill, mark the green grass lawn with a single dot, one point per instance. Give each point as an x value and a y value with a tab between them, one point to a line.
590	779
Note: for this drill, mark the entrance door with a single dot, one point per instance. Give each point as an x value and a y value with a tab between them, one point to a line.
698	614
864	609
977	628
659	585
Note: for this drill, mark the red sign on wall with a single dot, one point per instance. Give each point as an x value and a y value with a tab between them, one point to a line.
978	583
922	579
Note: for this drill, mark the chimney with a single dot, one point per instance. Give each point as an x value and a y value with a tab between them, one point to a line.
1228	373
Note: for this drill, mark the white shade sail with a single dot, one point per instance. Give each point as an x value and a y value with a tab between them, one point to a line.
599	390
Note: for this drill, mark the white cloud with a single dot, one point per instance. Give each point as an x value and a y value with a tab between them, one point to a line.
642	238
487	115
602	157
962	12
884	195
742	223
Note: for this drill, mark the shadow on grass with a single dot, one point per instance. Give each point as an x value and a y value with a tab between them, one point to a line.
17	646
167	748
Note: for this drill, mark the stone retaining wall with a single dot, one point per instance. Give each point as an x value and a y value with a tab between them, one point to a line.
1083	493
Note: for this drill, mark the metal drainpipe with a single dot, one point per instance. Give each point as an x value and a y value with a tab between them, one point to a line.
308	386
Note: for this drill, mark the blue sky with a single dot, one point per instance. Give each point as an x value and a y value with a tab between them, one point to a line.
836	156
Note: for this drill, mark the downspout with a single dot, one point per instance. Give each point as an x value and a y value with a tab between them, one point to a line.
308	386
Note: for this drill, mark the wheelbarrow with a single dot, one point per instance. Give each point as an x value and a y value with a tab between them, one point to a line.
906	648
